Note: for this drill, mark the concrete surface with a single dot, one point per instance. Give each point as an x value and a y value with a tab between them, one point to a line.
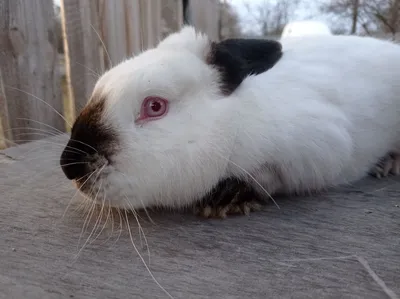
343	244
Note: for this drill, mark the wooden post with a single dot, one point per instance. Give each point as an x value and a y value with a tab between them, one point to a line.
113	28
172	16
83	49
29	67
133	27
205	16
5	132
150	12
130	26
156	8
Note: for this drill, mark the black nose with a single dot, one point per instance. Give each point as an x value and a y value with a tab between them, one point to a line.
74	161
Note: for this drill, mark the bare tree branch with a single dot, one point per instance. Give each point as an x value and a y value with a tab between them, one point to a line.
272	16
381	15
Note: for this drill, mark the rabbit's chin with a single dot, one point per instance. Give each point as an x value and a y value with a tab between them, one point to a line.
113	188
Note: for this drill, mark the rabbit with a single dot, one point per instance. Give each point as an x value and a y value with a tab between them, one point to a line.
222	126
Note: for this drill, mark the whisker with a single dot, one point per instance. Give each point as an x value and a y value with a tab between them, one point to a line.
45	142
104	225
32	129
34	134
55	158
120	226
147	213
104	46
112	219
143	261
44	102
85	226
97	221
74	148
41	123
85	205
19	157
99	218
74	163
62	133
92	208
70	151
253	178
26	140
84	143
143	205
78	141
139	226
42	136
89	69
50	134
77	191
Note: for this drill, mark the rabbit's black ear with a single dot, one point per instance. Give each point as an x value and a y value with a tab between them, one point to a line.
235	59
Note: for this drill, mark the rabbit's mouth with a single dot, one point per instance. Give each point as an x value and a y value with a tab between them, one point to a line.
93	185
91	146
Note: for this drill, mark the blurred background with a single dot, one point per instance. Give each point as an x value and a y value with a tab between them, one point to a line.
53	51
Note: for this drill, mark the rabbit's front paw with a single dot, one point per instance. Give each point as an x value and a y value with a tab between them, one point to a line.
388	165
230	196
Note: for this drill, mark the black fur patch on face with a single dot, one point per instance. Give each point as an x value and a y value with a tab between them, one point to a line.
238	58
90	144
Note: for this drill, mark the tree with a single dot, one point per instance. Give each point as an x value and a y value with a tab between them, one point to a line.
385	14
345	8
369	15
272	16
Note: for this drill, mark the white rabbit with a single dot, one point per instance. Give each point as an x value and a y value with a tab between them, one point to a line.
228	122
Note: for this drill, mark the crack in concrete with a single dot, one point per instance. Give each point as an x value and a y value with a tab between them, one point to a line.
6	159
361	260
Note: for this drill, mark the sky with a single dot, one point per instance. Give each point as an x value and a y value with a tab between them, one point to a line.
308	10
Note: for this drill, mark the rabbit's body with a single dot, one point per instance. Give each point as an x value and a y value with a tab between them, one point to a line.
323	116
170	125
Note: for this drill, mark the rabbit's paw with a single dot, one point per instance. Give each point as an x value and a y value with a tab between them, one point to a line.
388	165
229	197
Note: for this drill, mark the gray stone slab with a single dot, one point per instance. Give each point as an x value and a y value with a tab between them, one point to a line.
341	244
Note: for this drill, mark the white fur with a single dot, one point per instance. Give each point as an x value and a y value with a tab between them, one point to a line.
322	116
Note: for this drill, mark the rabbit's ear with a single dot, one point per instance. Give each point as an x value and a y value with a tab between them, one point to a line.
190	39
235	59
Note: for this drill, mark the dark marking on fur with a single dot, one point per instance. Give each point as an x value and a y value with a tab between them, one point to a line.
388	165
229	196
90	142
236	59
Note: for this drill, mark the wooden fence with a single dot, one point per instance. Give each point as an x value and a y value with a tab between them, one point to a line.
39	86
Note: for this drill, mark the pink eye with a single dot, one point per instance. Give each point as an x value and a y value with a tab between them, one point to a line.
154	108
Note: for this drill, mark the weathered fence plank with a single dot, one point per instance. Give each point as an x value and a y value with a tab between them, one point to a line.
4	124
204	16
114	28
29	67
151	22
133	27
172	16
156	24
83	49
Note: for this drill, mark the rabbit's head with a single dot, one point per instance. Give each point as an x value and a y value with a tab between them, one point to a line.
159	127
